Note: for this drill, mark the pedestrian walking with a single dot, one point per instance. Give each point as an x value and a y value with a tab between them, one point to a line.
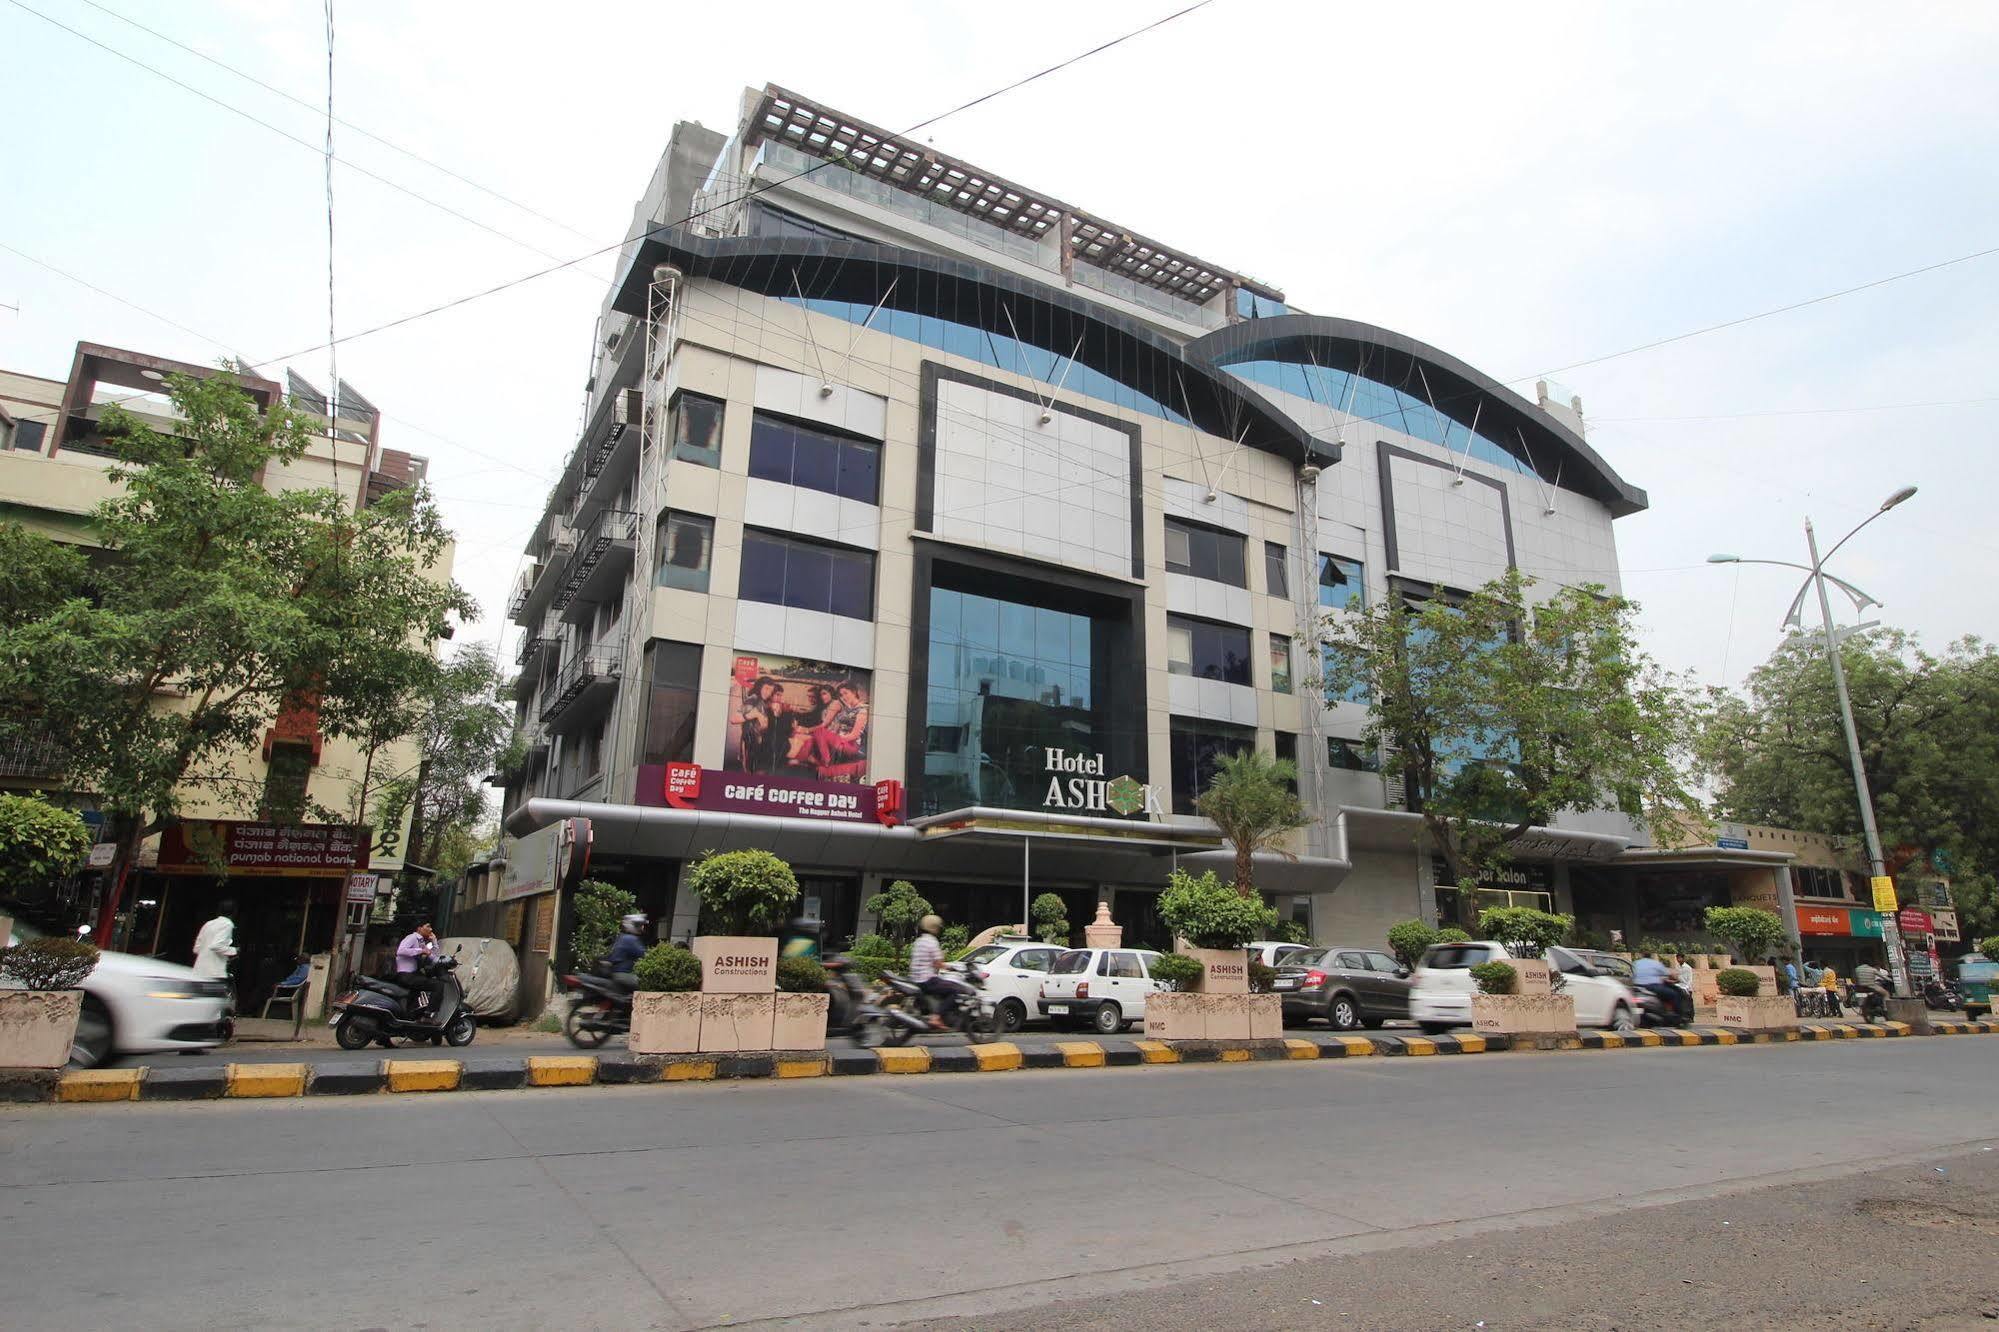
215	944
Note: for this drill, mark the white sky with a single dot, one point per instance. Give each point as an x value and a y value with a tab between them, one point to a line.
1524	186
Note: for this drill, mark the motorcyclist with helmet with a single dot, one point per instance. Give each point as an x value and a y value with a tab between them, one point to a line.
629	946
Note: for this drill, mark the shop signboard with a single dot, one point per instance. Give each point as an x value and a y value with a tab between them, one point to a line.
547	859
689	786
1866	924
1824	920
801	720
1732	837
1080	782
1944	926
225	846
361	887
1884	892
1913	921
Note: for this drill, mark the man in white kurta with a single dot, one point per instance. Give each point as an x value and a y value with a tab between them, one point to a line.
214	946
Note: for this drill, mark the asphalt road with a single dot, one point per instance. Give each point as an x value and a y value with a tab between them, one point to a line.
1416	1192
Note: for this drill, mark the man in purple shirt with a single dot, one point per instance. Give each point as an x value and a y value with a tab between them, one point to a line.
418	943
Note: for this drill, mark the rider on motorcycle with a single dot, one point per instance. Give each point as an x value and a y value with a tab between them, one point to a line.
1649	973
926	964
630	944
1868	978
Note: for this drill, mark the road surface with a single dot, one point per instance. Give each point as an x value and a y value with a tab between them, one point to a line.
1436	1192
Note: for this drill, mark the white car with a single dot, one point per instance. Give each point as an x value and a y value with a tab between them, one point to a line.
1105	988
1441	989
1274	953
141	1005
1013	969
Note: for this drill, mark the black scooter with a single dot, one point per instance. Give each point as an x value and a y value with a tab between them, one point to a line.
379	1010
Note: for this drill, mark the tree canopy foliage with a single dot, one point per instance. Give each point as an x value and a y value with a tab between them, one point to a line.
216	603
1253	800
1929	735
1499	713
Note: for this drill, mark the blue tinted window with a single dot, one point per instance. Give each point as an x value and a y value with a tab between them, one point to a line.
807	575
799	455
1342	583
1357	693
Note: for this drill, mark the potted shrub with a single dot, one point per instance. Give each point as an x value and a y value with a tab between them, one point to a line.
1515	998
1051	919
666	1010
1407	939
1214	922
1750	1002
38	1020
800	1019
745	897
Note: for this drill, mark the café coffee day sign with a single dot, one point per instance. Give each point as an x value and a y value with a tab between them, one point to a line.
1078	781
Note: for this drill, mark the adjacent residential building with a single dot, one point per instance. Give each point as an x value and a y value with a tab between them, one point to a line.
297	888
928	526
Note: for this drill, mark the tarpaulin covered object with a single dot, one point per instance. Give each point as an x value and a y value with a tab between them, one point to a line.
491	975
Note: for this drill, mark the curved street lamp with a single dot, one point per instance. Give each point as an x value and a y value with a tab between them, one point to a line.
1817	577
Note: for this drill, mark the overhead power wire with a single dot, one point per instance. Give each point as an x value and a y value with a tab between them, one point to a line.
654	229
348	125
287	134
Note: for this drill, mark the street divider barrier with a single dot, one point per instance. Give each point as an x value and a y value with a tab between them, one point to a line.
391	1074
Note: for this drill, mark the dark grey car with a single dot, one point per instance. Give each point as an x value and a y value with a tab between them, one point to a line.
1345	987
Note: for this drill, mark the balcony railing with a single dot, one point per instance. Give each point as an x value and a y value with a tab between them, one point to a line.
584	680
37	757
609	544
533	646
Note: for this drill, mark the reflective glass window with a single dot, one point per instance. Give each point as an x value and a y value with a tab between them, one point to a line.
807	575
1342	583
697	429
1197	748
1357	693
1351	755
1276	577
802	455
1280	664
1204	552
1208	650
683	545
673	676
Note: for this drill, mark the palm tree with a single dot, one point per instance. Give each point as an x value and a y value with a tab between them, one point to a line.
1253	801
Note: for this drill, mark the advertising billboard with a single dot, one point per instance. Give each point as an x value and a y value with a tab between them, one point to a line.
798	719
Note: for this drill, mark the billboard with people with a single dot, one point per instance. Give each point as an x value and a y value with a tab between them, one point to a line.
796	718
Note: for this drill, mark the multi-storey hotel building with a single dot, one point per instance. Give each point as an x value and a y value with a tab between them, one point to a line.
926	526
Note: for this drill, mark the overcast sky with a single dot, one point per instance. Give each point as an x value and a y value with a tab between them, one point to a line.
1526	186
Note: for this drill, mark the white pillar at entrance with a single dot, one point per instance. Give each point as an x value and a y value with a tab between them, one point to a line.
686	909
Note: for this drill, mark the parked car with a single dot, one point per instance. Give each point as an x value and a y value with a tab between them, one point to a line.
1275	954
1345	987
1014	969
1440	996
142	1005
1103	988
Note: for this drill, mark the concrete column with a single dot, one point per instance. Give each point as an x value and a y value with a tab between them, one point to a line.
1565	897
1787	908
871	883
686	908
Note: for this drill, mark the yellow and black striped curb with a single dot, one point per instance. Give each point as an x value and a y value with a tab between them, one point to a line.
406	1076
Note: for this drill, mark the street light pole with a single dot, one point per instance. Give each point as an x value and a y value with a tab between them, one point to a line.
1877	866
1816	578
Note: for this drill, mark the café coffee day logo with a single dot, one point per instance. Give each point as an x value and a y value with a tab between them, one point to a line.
1079	782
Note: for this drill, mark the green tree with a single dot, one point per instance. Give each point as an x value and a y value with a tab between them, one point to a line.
40	846
1254	802
1753	933
1499	713
1208	913
217	604
1407	939
1928	725
1525	931
898	910
600	907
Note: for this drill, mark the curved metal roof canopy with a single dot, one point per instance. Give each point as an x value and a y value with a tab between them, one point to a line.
1461	392
997	302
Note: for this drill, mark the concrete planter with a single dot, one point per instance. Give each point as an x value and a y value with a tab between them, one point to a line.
1266	1017
37	1026
800	1022
1530	976
1227	1015
1523	1014
737	963
1173	1015
665	1023
1762	1012
1223	970
738	1021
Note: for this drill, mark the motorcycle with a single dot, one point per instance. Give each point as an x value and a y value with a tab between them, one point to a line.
904	1011
1942	996
380	1010
602	1008
1657	1010
851	1009
1871	1004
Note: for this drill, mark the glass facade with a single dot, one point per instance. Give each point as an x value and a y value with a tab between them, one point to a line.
1008	680
697	429
684	544
1205	552
998	350
1383	404
1206	649
806	575
673	700
797	454
1342	583
1198	748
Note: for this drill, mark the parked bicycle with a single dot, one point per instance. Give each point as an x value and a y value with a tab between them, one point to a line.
1816	1002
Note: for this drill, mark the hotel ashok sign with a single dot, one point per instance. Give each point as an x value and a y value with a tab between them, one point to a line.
1079	782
